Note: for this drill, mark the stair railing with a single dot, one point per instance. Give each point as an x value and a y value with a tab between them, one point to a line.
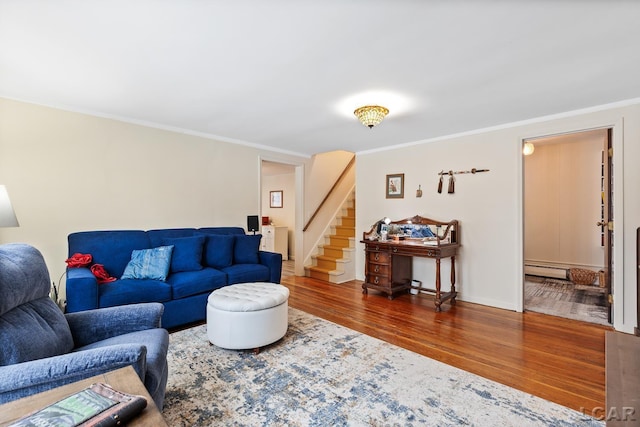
335	184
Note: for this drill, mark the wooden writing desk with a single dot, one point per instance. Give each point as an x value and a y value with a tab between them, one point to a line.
124	379
388	264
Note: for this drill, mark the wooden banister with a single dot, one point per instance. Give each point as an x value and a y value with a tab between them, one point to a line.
335	184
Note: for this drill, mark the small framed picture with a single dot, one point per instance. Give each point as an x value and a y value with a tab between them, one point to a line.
275	199
395	186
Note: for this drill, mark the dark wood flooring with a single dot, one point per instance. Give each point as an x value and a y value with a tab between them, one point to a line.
558	359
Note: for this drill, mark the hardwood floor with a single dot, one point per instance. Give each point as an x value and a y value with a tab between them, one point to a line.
558	359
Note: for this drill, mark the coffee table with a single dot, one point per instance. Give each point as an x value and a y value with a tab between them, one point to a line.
123	379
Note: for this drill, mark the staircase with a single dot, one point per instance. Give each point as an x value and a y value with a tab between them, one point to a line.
334	261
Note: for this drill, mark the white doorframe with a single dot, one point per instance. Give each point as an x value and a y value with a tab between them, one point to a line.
618	195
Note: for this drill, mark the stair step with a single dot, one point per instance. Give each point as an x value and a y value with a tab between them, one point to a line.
323	273
346	231
331	262
341	241
333	251
348	221
326	262
316	274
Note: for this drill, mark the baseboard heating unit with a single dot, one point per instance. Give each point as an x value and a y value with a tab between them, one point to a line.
546	271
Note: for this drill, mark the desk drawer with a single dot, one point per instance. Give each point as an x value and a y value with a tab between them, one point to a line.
380	269
381	257
378	280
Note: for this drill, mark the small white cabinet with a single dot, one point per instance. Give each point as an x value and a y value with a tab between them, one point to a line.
275	239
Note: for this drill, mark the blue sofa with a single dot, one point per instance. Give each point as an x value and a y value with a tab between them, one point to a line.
202	260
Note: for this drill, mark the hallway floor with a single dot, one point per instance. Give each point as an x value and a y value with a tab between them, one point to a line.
563	298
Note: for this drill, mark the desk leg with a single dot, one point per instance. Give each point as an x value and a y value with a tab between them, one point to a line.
437	299
453	280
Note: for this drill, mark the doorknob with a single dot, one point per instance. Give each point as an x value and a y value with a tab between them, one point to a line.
601	223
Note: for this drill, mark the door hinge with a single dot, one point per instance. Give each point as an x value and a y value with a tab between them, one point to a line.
610	152
610	299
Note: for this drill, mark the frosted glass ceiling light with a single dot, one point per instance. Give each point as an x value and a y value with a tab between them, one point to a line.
371	115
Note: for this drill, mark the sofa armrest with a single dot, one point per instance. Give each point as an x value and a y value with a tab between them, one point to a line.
25	379
92	326
272	260
81	290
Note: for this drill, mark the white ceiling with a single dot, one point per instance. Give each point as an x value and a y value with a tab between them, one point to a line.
288	74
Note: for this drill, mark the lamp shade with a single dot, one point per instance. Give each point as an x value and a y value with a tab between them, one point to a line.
7	216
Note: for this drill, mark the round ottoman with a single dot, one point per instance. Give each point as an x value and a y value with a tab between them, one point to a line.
247	315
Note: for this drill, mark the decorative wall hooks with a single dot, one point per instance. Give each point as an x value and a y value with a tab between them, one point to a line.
451	173
474	170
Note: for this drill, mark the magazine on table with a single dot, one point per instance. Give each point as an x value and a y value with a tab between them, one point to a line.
98	405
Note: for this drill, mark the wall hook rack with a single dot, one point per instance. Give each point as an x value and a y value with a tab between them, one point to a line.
452	180
473	171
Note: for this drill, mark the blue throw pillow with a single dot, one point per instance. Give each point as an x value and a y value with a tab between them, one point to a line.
187	253
149	264
245	249
218	250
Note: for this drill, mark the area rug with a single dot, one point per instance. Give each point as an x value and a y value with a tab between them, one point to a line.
323	374
565	299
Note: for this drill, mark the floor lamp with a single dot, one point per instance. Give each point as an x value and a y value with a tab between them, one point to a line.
7	215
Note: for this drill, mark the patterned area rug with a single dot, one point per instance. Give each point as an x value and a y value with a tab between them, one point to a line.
323	374
565	299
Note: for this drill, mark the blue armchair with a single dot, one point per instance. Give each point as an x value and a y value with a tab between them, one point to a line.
41	348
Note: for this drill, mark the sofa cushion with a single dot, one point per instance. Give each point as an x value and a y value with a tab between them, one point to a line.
187	283
221	230
242	273
149	264
109	248
36	329
157	236
187	253
131	291
218	250
245	249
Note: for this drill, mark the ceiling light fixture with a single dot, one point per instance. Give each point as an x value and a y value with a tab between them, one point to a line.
528	149
371	115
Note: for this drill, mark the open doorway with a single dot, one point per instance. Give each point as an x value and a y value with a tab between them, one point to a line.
567	242
278	211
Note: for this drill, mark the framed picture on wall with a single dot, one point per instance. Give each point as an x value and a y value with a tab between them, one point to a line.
275	199
395	186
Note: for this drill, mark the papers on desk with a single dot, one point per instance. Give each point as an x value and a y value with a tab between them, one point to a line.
432	241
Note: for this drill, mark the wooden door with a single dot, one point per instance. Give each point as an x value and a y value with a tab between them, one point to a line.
606	223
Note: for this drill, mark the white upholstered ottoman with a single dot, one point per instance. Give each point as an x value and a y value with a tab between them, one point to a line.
247	315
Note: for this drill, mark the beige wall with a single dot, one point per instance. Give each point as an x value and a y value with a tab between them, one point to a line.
562	203
490	205
69	172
